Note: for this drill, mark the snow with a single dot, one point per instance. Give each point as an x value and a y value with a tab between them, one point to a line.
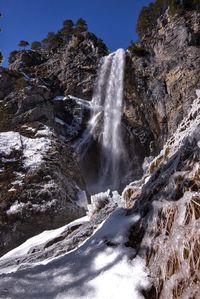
33	149
17	182
21	207
36	240
15	208
97	201
9	141
101	268
81	102
189	126
59	98
198	93
60	121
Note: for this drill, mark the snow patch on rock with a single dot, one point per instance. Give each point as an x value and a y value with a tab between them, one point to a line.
33	149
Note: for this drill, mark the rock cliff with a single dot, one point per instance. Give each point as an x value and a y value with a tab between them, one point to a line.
161	78
40	177
45	105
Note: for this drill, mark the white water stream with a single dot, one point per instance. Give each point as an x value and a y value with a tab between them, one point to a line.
107	106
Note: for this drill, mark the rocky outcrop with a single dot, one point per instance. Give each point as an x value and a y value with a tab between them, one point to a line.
40	104
163	215
24	59
40	178
168	198
10	81
39	173
160	83
69	69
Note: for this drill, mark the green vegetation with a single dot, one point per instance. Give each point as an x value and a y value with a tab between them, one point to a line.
23	44
36	45
149	14
81	26
51	41
66	31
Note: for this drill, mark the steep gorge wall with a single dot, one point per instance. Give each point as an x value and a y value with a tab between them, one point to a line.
40	176
159	88
160	83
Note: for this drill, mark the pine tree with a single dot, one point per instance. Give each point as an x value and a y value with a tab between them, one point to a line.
23	44
67	30
149	14
52	41
81	26
36	45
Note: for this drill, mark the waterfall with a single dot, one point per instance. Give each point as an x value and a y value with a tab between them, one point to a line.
107	106
112	146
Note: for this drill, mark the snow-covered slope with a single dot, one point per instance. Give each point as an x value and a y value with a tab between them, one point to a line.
103	267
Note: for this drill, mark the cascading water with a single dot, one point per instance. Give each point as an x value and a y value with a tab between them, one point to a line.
107	106
112	146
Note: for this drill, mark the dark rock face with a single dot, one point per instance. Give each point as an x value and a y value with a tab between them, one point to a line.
10	81
39	174
160	87
168	199
40	177
39	182
22	60
70	69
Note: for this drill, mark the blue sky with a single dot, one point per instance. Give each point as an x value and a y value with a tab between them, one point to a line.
112	20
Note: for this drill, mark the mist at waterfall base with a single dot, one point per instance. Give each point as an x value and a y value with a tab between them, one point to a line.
101	148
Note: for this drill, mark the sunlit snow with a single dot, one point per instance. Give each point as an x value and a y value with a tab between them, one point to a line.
102	268
33	149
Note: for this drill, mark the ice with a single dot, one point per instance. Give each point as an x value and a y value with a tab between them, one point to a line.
42	238
15	208
102	268
59	98
82	199
81	145
81	102
97	201
59	121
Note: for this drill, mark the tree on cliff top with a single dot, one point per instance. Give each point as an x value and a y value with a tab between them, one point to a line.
51	41
81	26
36	45
149	14
67	30
23	44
